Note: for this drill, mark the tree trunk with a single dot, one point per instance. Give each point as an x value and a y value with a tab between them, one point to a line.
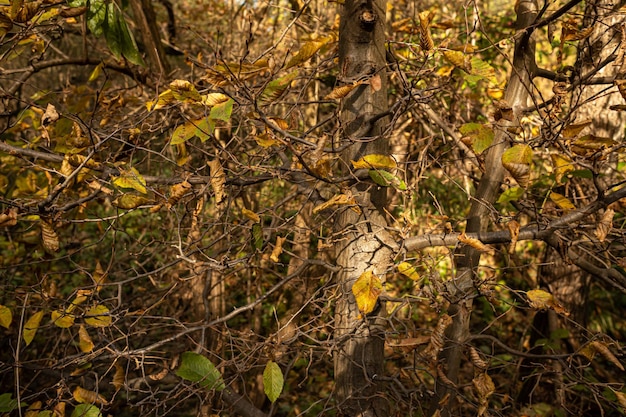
461	288
362	242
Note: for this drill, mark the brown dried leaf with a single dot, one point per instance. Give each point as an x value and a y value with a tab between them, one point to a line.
177	192
218	180
426	40
476	244
437	338
543	300
85	396
605	225
119	377
341	91
278	248
477	360
49	237
606	353
85	344
338	200
513	227
8	218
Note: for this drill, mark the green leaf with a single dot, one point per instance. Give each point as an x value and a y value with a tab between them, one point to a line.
257	236
183	133
273	381
222	111
8	404
129	46
6	316
476	135
276	88
98	316
204	129
31	326
112	31
197	368
96	15
512	194
86	410
131	179
386	179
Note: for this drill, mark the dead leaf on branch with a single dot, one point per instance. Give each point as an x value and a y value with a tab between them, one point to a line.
605	225
476	244
339	200
543	300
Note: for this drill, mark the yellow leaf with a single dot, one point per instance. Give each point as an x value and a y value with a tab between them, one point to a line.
517	160
561	201
561	166
98	316
131	179
266	140
573	129
458	59
278	249
62	319
621	398
130	201
307	50
185	91
184	132
408	271
251	215
31	326
85	344
6	316
375	161
213	99
338	200
85	396
34	409
366	290
543	300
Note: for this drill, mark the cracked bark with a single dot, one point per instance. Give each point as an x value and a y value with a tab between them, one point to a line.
363	242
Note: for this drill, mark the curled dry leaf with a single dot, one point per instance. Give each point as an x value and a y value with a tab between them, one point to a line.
249	214
85	396
513	227
338	200
49	237
426	40
605	225
606	353
177	192
8	218
437	338
278	249
476	244
119	377
85	344
477	360
341	91
218	180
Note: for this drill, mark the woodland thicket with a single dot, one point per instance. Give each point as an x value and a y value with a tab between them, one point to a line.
312	208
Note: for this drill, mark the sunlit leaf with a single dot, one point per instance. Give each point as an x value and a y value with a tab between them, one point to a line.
517	160
130	178
86	410
6	316
543	300
184	132
386	179
266	140
250	215
408	271
561	201
573	129
366	290
276	88
475	243
309	49
511	194
561	166
458	59
341	91
482	69
222	111
31	326
85	396
177	191
375	161
570	31
130	201
98	316
213	99
165	99
337	200
272	381
278	248
62	319
589	145
478	136
185	91
85	344
197	368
